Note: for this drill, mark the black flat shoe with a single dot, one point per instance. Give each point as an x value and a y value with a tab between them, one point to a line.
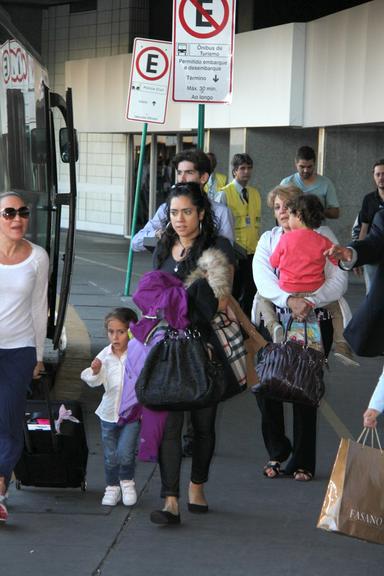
164	517
198	508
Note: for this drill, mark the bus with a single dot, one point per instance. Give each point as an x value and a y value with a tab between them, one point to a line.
30	148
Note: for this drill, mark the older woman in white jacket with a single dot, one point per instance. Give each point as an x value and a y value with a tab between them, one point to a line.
301	452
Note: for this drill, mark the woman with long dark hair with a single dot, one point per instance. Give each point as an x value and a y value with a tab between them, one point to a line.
190	230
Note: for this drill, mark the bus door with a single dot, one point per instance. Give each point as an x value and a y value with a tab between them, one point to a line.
63	256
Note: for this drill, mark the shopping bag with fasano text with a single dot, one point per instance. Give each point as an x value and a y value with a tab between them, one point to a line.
354	500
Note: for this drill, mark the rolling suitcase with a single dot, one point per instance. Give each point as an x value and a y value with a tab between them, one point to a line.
50	459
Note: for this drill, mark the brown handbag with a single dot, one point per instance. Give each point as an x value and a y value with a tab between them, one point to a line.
291	372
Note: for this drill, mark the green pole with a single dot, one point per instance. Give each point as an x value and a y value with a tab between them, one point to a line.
200	127
135	209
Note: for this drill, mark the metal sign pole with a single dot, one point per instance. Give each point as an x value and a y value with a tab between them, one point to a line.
135	208
200	127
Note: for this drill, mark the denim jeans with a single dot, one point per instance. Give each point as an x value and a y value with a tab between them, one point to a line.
119	444
16	369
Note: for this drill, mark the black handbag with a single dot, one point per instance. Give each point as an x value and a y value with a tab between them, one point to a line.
291	372
179	373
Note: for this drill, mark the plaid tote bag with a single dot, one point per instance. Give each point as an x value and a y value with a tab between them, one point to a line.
231	339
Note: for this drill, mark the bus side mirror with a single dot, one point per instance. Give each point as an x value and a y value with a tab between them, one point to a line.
64	145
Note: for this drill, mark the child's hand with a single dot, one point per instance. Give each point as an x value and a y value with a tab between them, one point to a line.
370	418
96	366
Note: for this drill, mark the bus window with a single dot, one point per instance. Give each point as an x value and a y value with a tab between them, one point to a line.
39	146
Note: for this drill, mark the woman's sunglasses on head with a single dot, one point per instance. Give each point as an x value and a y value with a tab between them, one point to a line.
10	213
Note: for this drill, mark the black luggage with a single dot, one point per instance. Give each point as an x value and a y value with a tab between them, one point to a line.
50	459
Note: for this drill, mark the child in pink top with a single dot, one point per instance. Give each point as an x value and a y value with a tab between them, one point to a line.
299	257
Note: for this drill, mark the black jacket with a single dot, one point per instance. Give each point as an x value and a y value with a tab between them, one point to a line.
365	331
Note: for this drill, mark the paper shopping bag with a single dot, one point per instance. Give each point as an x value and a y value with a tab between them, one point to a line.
354	500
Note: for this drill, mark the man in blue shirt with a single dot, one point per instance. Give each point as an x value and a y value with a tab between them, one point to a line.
310	182
191	166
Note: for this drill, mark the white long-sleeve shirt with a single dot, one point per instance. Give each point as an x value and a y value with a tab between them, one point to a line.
377	399
336	281
23	302
111	376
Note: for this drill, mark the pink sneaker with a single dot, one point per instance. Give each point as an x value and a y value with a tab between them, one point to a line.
3	512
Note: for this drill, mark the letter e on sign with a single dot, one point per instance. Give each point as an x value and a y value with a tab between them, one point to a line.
199	16
152	63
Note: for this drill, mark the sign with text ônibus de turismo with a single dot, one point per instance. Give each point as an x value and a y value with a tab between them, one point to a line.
149	81
203	41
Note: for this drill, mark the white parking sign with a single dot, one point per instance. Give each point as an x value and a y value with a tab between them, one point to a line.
203	37
149	81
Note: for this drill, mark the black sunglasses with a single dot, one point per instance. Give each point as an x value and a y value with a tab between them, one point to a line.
10	213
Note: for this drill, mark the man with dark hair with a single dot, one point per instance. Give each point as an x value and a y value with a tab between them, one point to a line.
201	164
245	204
216	180
310	182
191	166
372	203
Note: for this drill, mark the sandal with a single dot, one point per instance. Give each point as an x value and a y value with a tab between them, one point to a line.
272	469
302	475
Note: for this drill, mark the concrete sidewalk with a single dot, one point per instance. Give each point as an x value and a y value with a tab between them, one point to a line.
255	526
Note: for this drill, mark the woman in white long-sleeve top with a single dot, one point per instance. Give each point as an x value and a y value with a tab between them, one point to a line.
301	452
23	321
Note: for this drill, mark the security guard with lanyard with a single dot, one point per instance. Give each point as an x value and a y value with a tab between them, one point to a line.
245	204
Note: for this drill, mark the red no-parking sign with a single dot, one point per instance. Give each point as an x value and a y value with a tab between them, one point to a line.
203	38
149	81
